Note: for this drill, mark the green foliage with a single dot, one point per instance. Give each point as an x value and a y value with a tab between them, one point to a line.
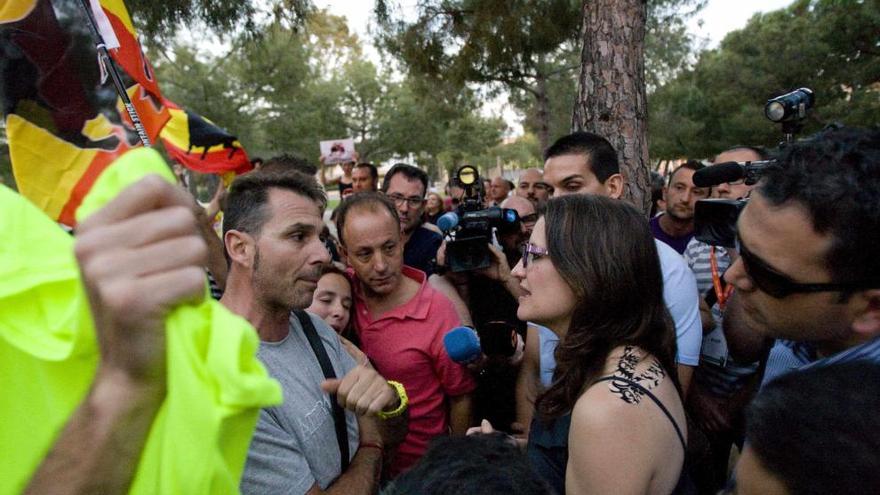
529	48
288	89
161	18
482	40
827	45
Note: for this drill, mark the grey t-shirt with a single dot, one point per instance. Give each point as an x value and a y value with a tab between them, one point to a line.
294	445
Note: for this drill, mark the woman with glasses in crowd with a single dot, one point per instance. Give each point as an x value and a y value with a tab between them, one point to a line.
612	421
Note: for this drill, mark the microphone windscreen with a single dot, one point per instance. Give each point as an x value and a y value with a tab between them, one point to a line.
462	344
447	221
718	174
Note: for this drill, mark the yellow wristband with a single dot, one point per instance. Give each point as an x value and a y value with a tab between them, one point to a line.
404	402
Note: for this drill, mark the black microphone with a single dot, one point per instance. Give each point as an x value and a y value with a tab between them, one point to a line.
719	174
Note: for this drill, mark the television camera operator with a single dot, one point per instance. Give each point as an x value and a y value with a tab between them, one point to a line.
807	281
481	246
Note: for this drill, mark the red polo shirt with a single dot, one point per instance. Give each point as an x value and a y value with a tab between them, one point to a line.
406	345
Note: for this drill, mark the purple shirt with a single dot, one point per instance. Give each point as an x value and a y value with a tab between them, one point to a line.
677	243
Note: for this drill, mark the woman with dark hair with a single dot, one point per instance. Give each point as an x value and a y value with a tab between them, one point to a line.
612	421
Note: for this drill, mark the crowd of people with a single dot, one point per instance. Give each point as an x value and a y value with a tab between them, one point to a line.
619	353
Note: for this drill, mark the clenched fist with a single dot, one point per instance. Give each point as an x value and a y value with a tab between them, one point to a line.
140	256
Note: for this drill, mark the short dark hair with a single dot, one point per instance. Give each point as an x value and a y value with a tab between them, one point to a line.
334	268
835	175
408	171
245	205
816	429
475	465
287	161
601	156
690	165
366	200
374	172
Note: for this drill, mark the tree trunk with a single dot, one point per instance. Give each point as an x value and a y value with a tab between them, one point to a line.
543	108
611	97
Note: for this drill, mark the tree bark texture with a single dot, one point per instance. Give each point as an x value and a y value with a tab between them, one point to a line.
611	98
543	111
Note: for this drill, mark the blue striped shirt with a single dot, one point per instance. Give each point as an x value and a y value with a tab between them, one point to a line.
787	356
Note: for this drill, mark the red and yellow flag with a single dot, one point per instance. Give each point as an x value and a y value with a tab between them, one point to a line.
64	122
200	145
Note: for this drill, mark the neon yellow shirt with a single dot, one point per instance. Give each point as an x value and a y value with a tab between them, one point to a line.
48	356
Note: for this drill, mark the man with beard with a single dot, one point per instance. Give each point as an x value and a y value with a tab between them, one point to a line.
511	239
307	444
406	187
676	226
532	187
400	321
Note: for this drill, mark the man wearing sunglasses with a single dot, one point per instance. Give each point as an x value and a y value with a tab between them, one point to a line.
511	239
808	273
406	187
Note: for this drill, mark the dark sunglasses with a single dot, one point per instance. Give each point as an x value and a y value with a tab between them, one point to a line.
530	218
779	285
531	253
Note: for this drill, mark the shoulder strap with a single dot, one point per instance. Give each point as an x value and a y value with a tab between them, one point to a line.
653	398
327	368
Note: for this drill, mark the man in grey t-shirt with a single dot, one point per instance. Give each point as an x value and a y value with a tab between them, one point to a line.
298	436
271	232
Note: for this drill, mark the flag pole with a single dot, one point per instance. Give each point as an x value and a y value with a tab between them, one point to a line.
105	61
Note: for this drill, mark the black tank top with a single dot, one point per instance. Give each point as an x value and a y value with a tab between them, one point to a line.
548	445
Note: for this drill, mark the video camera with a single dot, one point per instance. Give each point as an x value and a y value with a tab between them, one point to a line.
715	219
468	230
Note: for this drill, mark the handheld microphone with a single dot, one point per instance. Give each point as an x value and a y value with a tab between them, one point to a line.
447	221
463	345
718	174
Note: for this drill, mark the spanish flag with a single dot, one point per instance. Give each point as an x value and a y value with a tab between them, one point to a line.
200	145
64	121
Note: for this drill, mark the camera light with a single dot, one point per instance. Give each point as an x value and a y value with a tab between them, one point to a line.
791	106
467	175
775	111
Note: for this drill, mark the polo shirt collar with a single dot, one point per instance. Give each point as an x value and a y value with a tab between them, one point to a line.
416	308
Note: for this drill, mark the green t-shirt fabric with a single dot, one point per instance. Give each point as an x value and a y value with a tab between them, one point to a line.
48	357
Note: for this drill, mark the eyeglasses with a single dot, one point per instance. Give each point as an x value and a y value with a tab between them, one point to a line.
412	202
531	218
779	285
532	253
